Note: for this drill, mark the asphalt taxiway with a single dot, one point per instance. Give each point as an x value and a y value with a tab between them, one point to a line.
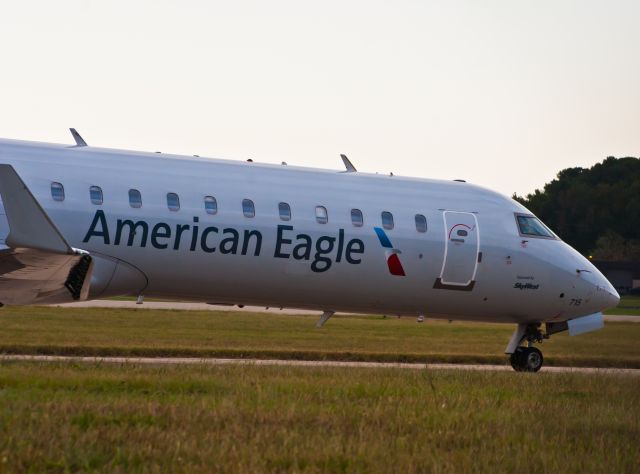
306	363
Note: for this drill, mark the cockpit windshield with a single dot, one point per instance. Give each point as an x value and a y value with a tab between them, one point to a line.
531	226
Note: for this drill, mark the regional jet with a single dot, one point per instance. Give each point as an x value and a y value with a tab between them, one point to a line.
80	222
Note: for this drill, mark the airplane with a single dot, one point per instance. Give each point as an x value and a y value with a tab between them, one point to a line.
80	222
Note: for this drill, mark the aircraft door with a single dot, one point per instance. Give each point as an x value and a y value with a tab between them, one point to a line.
462	251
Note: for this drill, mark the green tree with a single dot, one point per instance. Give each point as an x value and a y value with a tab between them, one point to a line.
612	246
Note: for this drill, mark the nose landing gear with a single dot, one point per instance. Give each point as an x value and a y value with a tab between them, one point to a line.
529	358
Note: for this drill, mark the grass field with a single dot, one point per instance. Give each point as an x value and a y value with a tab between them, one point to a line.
68	417
629	305
145	332
82	418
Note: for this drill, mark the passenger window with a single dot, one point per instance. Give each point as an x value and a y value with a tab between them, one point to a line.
356	217
95	193
173	202
57	192
248	209
135	198
531	226
321	215
285	211
210	205
387	220
421	223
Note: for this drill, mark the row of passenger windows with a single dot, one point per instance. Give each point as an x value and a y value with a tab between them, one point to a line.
248	208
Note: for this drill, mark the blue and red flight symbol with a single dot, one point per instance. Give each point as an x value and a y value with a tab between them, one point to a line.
393	261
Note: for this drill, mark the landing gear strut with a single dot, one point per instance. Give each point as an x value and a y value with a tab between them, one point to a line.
529	358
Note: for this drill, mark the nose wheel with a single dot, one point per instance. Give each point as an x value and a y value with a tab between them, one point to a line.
526	359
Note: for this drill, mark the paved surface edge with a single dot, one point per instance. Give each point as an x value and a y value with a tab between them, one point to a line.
304	363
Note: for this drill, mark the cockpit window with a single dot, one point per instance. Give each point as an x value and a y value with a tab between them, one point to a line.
531	226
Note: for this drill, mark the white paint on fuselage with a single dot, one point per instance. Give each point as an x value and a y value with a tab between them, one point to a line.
265	280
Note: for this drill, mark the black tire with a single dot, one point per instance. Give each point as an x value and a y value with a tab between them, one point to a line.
516	359
531	359
526	359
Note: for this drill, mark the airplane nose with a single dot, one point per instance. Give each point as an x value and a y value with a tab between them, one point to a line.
598	293
606	295
614	299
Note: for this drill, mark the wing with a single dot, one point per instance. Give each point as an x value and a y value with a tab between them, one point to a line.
37	265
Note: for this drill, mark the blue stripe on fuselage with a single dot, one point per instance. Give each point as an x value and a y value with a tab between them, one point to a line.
384	240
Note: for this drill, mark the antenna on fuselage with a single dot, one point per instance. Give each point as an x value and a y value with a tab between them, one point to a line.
324	318
348	164
76	136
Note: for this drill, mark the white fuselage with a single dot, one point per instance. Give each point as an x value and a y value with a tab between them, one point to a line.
487	272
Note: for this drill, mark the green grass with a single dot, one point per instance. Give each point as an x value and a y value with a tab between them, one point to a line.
67	417
629	306
145	332
105	418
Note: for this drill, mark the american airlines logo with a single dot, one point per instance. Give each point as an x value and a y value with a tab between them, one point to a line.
393	261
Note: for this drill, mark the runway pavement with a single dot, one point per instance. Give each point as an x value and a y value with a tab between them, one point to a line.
307	363
184	306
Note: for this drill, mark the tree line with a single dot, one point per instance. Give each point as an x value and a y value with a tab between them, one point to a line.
595	210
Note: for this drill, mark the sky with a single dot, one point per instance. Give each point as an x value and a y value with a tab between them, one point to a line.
501	93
